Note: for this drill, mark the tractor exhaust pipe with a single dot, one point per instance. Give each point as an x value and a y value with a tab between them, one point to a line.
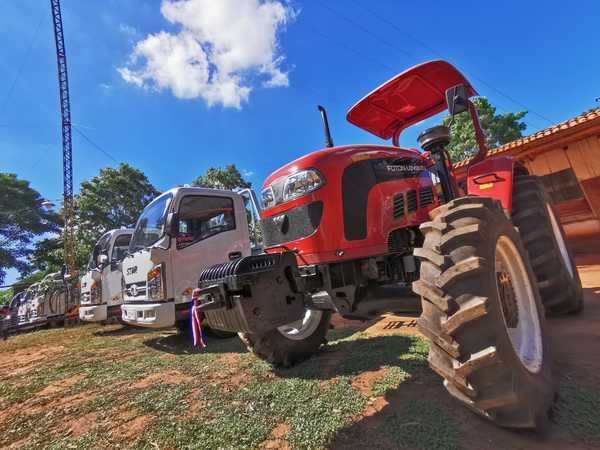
328	140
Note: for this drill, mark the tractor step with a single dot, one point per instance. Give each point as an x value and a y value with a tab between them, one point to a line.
253	294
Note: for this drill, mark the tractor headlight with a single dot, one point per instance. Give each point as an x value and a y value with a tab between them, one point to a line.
301	183
156	283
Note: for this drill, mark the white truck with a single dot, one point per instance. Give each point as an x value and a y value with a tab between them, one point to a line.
178	234
101	289
49	304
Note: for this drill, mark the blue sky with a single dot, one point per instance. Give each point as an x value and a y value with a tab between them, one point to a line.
545	55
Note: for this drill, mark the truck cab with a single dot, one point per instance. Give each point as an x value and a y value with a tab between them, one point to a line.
101	291
178	234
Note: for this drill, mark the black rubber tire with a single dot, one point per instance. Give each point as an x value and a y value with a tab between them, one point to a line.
463	319
560	291
278	350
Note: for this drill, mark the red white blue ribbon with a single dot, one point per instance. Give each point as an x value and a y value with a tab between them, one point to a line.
196	323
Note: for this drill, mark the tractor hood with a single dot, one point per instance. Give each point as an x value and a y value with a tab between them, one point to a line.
408	98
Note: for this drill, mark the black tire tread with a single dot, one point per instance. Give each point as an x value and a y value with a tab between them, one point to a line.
560	293
456	316
274	348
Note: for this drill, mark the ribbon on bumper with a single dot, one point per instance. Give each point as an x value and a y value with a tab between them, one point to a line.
196	323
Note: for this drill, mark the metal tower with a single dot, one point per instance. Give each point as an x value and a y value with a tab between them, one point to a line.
65	111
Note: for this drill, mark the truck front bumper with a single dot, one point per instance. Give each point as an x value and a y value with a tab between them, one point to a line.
95	313
149	315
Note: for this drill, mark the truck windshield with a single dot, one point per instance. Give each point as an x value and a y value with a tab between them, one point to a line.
150	226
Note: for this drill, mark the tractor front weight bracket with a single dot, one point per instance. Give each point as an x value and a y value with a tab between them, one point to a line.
253	294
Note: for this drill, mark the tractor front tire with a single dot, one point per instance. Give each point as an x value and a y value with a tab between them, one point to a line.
544	239
482	314
292	343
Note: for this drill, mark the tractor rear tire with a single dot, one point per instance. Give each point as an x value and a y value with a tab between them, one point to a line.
544	239
292	343
482	314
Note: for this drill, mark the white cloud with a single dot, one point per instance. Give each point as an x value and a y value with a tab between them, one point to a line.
220	46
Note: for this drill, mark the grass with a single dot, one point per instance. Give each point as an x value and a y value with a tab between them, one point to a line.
149	389
225	398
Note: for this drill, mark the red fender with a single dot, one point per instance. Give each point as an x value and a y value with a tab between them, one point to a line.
494	178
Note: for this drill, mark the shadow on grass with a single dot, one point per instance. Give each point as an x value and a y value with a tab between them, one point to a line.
354	356
123	330
178	344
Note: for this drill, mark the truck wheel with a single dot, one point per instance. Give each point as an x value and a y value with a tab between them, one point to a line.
482	314
544	239
291	343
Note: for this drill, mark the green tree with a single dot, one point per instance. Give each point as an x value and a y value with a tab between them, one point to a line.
498	128
6	296
114	198
23	218
228	177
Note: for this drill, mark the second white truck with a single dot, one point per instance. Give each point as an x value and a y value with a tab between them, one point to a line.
101	285
178	234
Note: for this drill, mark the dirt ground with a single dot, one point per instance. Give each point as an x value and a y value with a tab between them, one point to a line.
576	347
94	387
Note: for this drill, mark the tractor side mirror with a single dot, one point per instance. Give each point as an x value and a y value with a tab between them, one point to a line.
457	99
172	225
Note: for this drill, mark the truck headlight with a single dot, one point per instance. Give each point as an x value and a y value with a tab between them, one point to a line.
301	183
95	292
267	198
156	284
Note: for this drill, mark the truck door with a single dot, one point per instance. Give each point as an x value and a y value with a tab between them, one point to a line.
211	229
111	274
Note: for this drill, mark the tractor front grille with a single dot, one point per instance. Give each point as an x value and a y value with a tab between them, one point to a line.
411	201
398	206
425	196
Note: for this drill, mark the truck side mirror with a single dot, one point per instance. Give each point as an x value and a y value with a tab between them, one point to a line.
102	259
457	99
172	224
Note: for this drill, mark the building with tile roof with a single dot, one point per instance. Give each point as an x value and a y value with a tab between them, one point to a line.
567	158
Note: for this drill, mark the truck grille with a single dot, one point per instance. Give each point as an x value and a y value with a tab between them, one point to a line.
398	206
425	196
411	201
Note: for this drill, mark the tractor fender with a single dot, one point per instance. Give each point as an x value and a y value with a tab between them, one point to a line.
494	178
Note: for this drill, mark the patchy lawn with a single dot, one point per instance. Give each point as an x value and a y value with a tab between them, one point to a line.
370	387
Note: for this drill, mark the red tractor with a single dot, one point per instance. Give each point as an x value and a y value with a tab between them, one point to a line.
352	229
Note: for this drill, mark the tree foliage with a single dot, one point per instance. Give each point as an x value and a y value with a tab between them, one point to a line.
228	177
6	296
22	219
498	128
113	199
